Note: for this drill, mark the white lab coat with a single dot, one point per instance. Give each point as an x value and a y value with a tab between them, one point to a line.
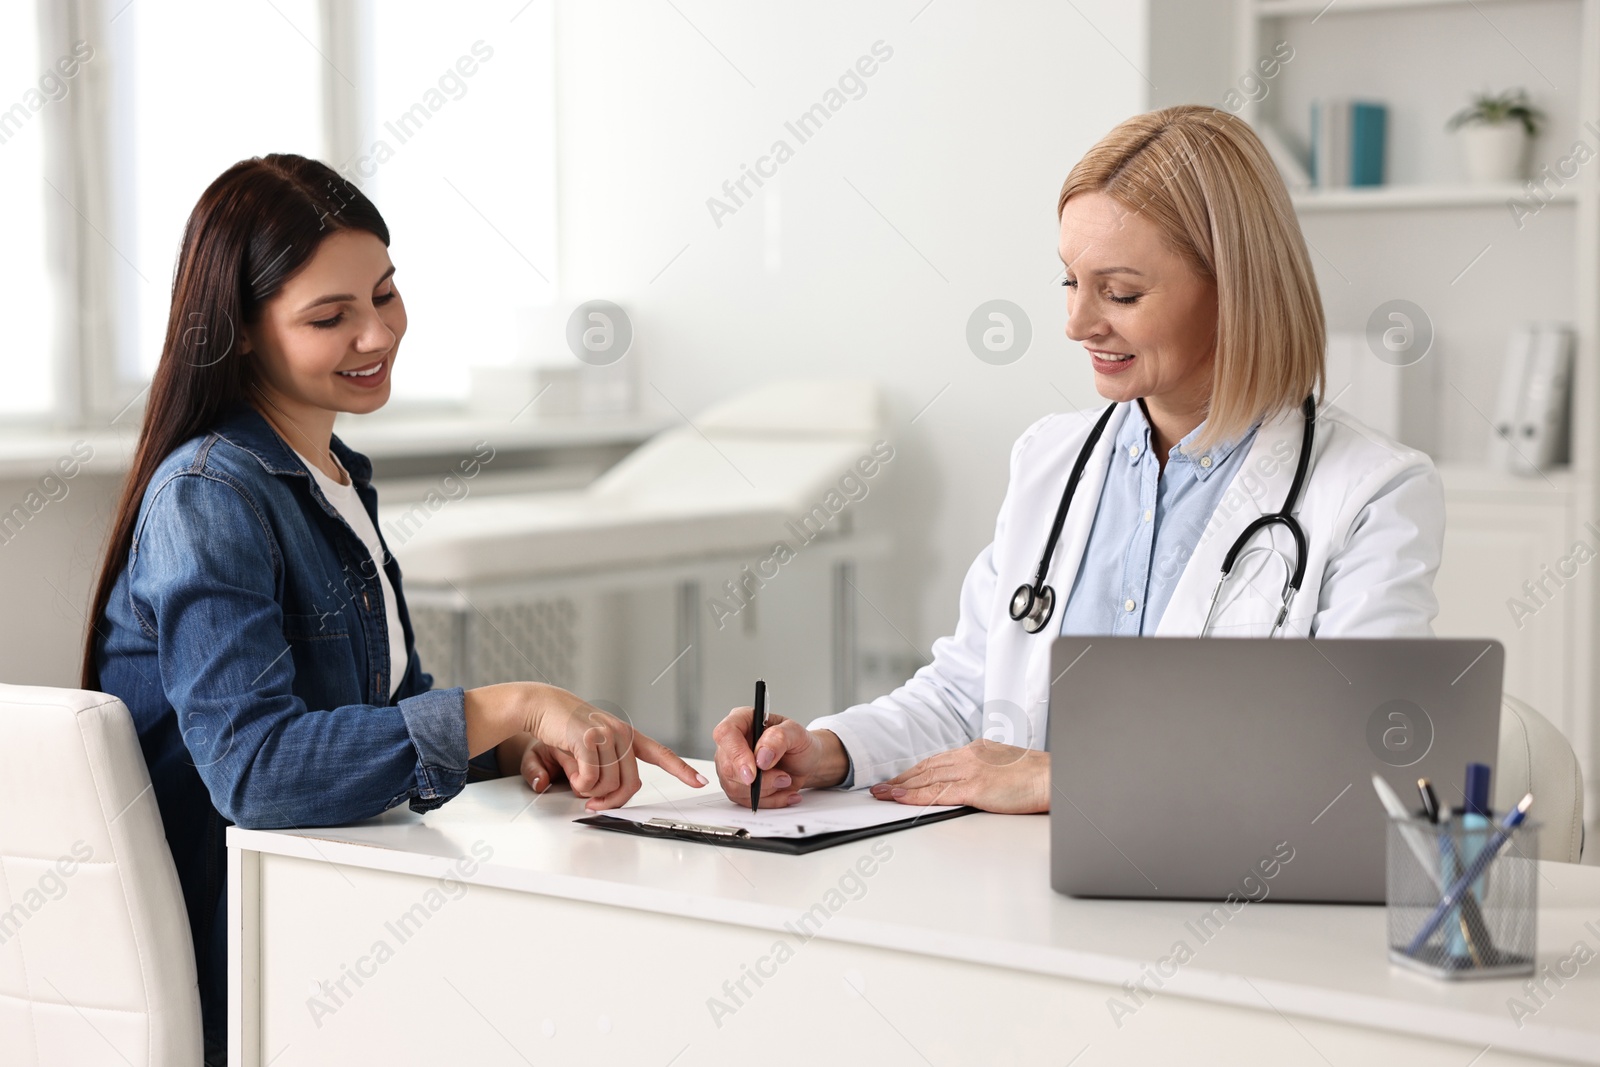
1367	574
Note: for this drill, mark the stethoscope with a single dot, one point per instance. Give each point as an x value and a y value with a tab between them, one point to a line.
1033	604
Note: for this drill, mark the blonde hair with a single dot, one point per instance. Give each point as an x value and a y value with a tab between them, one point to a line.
1204	179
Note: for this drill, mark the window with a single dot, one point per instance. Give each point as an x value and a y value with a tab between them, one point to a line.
28	285
443	114
196	86
457	151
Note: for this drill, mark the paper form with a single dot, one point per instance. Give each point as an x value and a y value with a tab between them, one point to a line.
822	811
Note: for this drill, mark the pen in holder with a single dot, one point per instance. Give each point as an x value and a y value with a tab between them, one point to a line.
1456	910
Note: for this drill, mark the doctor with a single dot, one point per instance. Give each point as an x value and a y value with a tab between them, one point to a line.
1189	286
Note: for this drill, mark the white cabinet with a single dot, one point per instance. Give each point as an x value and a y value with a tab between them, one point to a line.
1506	546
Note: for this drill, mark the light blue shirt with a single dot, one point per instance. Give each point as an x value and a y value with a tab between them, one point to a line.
1146	526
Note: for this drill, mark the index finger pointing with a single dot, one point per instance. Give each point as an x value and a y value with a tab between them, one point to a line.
652	751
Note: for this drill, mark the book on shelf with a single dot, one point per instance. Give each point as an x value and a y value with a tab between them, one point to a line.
1348	143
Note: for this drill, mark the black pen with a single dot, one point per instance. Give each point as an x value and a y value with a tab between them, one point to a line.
1430	802
758	726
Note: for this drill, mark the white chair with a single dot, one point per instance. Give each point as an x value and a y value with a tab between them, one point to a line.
96	961
1535	758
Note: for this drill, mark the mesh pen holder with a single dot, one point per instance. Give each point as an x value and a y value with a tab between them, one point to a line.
1490	932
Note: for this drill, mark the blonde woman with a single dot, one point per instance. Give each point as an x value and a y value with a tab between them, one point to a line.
1189	287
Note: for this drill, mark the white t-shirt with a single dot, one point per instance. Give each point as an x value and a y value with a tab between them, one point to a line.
348	504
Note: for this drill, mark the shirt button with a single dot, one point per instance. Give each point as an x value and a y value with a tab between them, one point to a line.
1148	514
1129	605
1205	461
1133	451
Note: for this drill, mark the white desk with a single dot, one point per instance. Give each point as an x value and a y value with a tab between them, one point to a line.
547	942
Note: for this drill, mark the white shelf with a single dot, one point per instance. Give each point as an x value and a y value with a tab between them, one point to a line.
1280	8
1380	197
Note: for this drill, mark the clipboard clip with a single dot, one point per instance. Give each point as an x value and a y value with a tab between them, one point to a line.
697	828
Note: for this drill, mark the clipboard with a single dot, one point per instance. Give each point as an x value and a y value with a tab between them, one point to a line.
734	837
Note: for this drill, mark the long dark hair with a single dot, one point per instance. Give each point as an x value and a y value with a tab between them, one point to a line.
253	229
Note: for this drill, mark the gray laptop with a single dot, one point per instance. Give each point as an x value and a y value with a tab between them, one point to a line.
1193	769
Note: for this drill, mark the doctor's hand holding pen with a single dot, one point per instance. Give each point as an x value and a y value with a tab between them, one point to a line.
789	756
547	734
984	774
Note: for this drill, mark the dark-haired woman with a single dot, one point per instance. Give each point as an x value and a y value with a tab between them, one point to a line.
248	612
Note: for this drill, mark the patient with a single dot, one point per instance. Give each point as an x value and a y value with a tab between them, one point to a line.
248	612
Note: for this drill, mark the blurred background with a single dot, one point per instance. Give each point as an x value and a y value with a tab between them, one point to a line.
766	240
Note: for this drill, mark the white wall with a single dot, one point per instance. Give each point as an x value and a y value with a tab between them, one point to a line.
933	192
1191	44
45	571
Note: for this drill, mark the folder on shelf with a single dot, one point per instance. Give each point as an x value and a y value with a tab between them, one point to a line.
824	818
1531	412
1504	440
1544	405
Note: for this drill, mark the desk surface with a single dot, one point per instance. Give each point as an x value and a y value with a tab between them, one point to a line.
977	889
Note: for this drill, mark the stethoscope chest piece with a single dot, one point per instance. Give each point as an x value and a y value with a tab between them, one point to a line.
1032	609
1034	603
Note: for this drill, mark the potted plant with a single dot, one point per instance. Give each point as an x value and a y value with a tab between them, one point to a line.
1495	131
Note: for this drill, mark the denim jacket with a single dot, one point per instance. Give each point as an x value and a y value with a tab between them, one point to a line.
246	634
